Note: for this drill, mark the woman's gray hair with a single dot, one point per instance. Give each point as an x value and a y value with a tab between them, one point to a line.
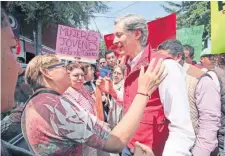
133	22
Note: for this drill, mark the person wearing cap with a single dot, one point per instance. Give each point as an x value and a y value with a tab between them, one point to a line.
204	100
216	71
208	62
207	59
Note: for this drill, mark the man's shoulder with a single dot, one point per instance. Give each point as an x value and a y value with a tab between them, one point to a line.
43	99
194	71
171	64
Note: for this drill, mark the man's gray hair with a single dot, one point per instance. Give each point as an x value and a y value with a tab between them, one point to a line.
133	22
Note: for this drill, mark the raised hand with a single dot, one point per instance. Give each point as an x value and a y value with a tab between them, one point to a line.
105	85
148	81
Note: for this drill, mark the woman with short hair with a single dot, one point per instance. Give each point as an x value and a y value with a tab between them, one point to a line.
115	107
55	125
81	96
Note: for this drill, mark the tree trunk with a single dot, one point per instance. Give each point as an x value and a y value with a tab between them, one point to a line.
38	38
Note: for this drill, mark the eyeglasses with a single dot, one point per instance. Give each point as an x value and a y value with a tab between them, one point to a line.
63	64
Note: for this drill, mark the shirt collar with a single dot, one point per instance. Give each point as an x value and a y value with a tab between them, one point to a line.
135	60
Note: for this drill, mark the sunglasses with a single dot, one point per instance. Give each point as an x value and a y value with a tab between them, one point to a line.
62	64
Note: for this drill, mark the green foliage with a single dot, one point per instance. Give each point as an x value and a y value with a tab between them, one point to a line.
191	13
102	48
73	13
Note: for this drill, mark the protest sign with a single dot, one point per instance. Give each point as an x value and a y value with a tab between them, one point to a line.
217	27
109	41
161	30
78	43
193	37
109	44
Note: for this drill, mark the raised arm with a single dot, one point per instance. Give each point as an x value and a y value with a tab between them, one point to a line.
80	126
122	133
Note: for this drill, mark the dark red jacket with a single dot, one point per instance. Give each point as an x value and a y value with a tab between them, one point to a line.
153	128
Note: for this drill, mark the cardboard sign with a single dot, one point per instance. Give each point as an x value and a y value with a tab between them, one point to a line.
193	37
161	30
217	27
78	43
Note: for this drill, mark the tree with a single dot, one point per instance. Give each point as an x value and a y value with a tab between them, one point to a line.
102	49
71	13
191	13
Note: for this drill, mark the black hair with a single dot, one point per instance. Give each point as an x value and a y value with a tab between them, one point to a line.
172	46
190	49
21	59
108	52
4	17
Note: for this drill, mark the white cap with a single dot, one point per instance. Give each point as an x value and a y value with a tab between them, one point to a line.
206	51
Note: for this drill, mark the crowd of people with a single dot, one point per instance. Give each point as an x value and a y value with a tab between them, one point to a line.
153	102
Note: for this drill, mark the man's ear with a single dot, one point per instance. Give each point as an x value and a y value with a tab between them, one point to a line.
138	34
179	57
45	73
201	59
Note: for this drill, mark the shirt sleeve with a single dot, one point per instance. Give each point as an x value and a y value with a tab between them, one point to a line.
173	95
70	121
209	105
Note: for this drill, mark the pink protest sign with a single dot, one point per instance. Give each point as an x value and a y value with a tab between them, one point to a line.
76	42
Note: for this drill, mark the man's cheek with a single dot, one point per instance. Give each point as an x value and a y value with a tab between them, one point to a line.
8	79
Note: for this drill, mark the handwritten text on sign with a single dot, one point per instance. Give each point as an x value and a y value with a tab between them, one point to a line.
79	43
193	37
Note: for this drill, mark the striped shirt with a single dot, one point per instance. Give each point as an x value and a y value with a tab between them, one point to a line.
83	98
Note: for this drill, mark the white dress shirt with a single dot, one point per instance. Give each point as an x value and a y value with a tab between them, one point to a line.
173	95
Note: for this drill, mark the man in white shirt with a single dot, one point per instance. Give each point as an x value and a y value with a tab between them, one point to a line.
166	120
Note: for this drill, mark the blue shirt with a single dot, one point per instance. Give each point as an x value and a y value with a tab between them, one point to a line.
106	71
